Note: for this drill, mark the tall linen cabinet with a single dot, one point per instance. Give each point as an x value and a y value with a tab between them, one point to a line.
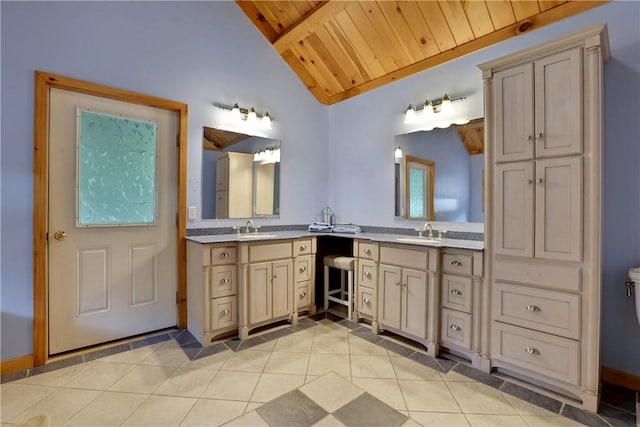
543	121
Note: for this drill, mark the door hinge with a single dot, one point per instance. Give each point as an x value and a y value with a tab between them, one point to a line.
177	298
177	140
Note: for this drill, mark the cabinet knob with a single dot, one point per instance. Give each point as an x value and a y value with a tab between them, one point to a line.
455	328
367	275
455	292
404	285
456	263
225	280
367	251
529	138
303	247
532	350
224	255
539	135
533	308
539	180
224	313
303	269
397	283
527	181
367	301
303	294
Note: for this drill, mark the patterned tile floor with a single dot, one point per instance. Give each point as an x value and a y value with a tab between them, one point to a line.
323	372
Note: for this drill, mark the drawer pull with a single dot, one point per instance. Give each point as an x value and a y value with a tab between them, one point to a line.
303	247
224	255
455	328
532	350
367	301
303	269
456	263
455	292
367	275
224	313
533	308
303	294
225	280
367	251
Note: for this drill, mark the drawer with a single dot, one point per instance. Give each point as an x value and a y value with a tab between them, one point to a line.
366	303
270	251
457	292
540	309
302	269
418	259
367	274
541	353
223	255
367	250
303	296
223	281
224	313
456	328
547	275
302	247
457	263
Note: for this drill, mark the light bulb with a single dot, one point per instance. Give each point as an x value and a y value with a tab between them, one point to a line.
235	112
251	116
446	106
428	109
397	153
410	114
266	120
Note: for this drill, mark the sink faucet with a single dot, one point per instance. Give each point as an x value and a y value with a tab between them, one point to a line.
427	226
249	226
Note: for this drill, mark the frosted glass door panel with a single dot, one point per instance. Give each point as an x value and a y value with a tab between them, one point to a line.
116	170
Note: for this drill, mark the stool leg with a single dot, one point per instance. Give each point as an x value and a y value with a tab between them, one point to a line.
350	296
326	287
342	284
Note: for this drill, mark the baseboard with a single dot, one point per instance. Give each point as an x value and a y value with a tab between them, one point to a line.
15	365
622	379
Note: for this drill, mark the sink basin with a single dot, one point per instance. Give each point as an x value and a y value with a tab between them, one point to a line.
420	240
256	236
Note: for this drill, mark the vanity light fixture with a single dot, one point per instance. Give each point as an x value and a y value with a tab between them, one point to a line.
238	114
397	153
431	108
268	155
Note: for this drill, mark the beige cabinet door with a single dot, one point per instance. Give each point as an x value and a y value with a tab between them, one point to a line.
513	113
414	302
558	104
514	203
559	209
390	295
282	288
260	292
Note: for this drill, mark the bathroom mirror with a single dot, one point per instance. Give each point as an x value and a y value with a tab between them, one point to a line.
240	175
455	156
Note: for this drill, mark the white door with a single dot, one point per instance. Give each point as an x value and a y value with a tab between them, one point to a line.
108	282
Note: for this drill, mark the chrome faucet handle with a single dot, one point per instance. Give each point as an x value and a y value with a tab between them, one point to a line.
420	231
256	228
236	228
441	234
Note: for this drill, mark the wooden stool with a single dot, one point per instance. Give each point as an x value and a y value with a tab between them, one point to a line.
346	265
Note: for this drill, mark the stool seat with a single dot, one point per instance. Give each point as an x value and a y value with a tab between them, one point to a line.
345	264
339	262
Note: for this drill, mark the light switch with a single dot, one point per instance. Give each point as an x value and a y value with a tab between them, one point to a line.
192	212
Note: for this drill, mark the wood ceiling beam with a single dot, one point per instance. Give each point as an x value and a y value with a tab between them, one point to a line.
308	24
547	17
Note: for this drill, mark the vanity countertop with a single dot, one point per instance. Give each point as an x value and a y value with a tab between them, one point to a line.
476	245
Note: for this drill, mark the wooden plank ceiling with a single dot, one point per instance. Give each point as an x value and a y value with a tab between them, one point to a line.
340	49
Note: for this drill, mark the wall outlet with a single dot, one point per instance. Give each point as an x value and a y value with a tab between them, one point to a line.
192	212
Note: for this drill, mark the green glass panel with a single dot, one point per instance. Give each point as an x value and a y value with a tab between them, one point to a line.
416	193
116	170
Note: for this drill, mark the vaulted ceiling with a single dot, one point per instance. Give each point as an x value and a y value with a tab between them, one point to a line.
340	49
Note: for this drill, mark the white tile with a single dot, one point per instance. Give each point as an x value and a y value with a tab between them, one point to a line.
186	382
371	367
108	409
407	369
361	346
58	377
410	423
330	345
208	412
132	356
231	385
100	375
328	327
555	421
160	411
252	406
320	364
421	395
329	421
525	408
250	419
331	391
60	405
294	343
482	420
439	419
16	397
265	346
387	390
168	354
271	386
143	379
246	361
213	361
453	376
478	398
287	363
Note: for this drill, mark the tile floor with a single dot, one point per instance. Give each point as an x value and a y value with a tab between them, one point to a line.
322	372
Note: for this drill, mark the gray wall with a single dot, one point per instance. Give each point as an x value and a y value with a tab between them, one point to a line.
206	52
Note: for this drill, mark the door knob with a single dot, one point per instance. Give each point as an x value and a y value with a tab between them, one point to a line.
60	235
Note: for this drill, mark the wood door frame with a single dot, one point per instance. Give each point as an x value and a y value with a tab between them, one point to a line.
44	81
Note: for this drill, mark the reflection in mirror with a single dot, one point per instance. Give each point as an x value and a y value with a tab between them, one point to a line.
419	191
240	175
457	157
